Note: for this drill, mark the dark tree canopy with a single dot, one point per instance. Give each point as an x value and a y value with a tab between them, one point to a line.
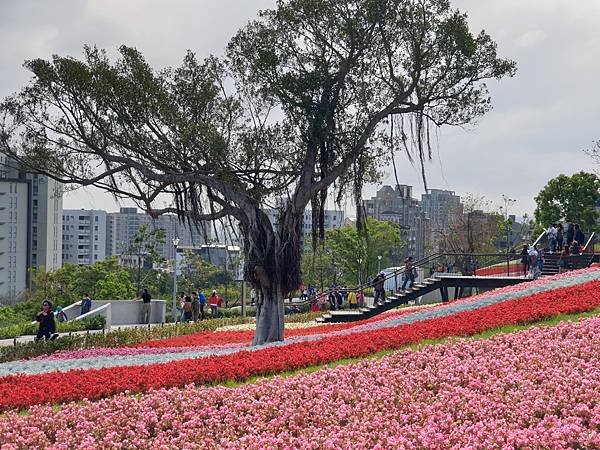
569	199
301	106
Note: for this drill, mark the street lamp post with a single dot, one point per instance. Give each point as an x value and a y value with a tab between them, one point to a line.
379	264
359	261
175	245
507	202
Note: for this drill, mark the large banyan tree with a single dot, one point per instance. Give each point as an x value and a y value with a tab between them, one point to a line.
300	108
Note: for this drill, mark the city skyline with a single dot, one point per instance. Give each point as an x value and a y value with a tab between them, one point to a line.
538	129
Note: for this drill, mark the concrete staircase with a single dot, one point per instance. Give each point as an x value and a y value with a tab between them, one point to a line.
575	261
391	301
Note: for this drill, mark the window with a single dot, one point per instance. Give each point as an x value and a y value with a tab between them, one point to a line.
96	219
82	218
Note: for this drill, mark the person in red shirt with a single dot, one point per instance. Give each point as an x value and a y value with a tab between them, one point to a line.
214	301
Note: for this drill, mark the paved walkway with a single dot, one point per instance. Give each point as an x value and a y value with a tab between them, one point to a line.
29	338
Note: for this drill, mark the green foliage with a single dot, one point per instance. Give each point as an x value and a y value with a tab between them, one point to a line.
569	199
103	280
28	328
143	247
120	338
346	252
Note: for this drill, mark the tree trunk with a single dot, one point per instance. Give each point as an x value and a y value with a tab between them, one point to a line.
269	317
272	267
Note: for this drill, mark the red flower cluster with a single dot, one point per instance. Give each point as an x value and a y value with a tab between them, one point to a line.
26	390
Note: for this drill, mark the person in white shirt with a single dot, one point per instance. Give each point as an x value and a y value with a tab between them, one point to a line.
552	233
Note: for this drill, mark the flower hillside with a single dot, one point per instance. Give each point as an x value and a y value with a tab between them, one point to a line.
96	376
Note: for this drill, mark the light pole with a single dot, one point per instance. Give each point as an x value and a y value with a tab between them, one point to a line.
379	264
507	202
359	261
175	245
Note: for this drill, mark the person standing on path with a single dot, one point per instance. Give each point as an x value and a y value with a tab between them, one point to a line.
86	304
146	306
559	237
47	326
202	302
352	302
195	307
525	259
214	304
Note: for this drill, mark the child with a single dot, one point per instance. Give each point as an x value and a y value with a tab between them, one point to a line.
47	327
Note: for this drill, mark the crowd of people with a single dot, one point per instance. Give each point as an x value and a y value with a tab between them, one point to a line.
191	307
567	244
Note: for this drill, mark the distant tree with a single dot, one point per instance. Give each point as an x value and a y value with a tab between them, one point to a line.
103	280
338	73
143	247
346	253
476	230
569	199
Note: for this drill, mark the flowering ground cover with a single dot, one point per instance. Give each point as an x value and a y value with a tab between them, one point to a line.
532	389
460	319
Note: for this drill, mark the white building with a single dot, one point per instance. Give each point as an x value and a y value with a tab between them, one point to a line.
122	226
332	219
30	226
84	236
46	222
13	237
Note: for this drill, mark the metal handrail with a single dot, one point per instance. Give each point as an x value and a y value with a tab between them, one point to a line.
589	241
368	285
539	239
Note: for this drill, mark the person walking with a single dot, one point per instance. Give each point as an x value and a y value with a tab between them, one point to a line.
86	304
202	302
47	325
146	306
214	304
408	273
578	235
195	307
379	288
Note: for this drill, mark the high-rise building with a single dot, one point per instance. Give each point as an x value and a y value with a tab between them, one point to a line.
397	205
30	226
84	236
441	207
122	226
332	218
14	237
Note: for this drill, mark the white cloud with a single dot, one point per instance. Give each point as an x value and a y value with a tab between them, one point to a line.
531	39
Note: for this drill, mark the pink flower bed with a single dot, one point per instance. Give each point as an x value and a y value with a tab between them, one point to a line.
534	389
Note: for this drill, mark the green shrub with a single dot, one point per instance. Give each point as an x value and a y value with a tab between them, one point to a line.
119	338
28	328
